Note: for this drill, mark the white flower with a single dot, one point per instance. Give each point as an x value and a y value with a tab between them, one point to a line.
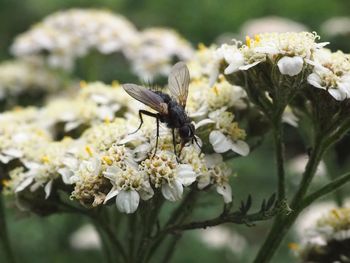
167	174
37	176
218	174
226	135
129	185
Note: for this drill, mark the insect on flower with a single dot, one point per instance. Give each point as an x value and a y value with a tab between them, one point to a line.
170	109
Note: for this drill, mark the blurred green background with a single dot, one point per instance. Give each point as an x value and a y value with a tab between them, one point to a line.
42	240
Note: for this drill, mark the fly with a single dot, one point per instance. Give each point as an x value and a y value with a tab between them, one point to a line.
170	109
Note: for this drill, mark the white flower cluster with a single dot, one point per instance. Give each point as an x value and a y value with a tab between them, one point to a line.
94	103
291	51
152	54
331	72
19	76
68	35
212	104
328	238
105	161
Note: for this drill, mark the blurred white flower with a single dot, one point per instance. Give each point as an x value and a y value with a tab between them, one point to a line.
222	237
86	237
19	76
153	53
336	26
68	35
271	24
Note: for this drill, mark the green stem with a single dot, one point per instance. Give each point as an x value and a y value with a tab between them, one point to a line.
131	236
310	170
178	216
113	239
4	238
169	252
149	224
328	188
283	222
279	155
105	243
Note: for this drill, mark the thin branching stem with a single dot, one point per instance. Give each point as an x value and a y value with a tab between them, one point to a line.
328	188
179	214
283	223
235	217
169	252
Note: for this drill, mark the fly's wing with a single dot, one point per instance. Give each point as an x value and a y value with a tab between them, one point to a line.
147	97
179	80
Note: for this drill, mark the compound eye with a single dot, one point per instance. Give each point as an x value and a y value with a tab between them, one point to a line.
185	132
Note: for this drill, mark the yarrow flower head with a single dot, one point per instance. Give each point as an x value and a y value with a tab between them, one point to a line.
21	77
67	35
332	73
152	54
287	50
226	134
329	239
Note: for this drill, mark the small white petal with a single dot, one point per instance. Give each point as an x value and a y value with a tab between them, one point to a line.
344	85
99	98
111	172
112	193
203	123
246	67
141	152
172	191
235	60
146	192
290	66
13	152
128	201
48	188
69	126
226	192
219	142
270	49
337	94
240	147
185	174
24	184
315	80
66	175
203	181
5	158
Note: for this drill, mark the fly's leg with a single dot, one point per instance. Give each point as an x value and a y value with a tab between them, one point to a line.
174	143
155	150
141	112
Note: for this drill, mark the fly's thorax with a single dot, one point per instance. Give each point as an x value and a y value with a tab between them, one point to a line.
177	116
167	99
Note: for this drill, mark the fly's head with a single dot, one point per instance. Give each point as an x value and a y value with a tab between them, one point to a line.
187	133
